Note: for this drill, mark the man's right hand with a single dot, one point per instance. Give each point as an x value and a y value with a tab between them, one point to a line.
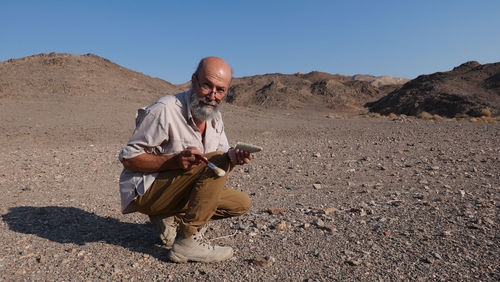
154	163
187	159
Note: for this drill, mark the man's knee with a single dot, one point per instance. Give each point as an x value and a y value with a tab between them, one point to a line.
244	205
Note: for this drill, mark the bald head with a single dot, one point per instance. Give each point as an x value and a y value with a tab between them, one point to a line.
214	68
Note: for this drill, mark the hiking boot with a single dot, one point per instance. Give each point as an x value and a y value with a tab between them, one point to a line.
166	227
196	248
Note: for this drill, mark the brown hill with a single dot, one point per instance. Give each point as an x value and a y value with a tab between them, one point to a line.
64	75
301	90
57	76
469	89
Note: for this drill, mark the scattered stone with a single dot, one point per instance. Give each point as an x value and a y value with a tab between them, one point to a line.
353	262
331	210
436	255
428	260
317	155
281	226
317	186
275	211
27	187
446	233
306	225
292	187
320	223
264	261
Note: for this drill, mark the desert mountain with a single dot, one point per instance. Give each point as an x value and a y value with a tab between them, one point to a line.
300	90
468	89
64	75
58	75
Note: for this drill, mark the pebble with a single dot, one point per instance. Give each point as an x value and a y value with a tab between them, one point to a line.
317	186
331	210
281	226
264	261
446	233
320	223
353	262
276	211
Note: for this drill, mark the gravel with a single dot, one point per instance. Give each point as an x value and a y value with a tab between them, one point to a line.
351	198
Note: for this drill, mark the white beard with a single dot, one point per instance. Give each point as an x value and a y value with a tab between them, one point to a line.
201	112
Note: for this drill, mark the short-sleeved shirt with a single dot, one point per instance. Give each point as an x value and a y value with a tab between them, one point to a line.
165	127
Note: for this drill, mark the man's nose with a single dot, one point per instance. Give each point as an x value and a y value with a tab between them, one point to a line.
211	95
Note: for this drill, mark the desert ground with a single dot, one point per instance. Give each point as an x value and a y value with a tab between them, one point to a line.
344	197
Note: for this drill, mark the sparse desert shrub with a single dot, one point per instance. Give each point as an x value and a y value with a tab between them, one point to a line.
392	115
425	115
376	115
486	112
492	121
475	120
437	117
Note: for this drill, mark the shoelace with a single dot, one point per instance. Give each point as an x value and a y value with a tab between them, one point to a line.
200	238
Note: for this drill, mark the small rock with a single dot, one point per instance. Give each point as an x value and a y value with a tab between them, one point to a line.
281	226
276	211
331	210
292	187
434	168
317	155
428	260
317	186
436	255
306	225
446	233
462	193
320	223
264	261
330	229
353	262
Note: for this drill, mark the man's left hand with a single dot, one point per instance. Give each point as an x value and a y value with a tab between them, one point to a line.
239	157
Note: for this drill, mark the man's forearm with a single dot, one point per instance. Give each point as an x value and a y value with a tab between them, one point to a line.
151	163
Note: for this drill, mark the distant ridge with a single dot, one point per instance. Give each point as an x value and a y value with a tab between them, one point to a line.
470	89
60	75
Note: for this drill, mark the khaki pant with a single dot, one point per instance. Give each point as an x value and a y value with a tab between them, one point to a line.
194	196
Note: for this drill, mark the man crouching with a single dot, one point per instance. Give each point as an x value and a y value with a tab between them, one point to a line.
164	176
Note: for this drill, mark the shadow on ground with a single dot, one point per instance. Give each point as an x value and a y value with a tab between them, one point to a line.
72	225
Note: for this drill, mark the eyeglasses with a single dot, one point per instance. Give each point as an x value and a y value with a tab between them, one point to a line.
207	89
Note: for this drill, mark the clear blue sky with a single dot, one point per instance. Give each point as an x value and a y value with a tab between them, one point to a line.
166	39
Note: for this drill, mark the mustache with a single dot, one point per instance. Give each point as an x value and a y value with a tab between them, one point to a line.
207	101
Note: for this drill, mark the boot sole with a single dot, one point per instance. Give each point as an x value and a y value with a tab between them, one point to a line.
178	258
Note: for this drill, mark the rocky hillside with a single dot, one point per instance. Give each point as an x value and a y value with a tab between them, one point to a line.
60	75
470	89
335	91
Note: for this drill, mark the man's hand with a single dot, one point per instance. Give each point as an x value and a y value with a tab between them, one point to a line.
153	163
239	157
187	160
